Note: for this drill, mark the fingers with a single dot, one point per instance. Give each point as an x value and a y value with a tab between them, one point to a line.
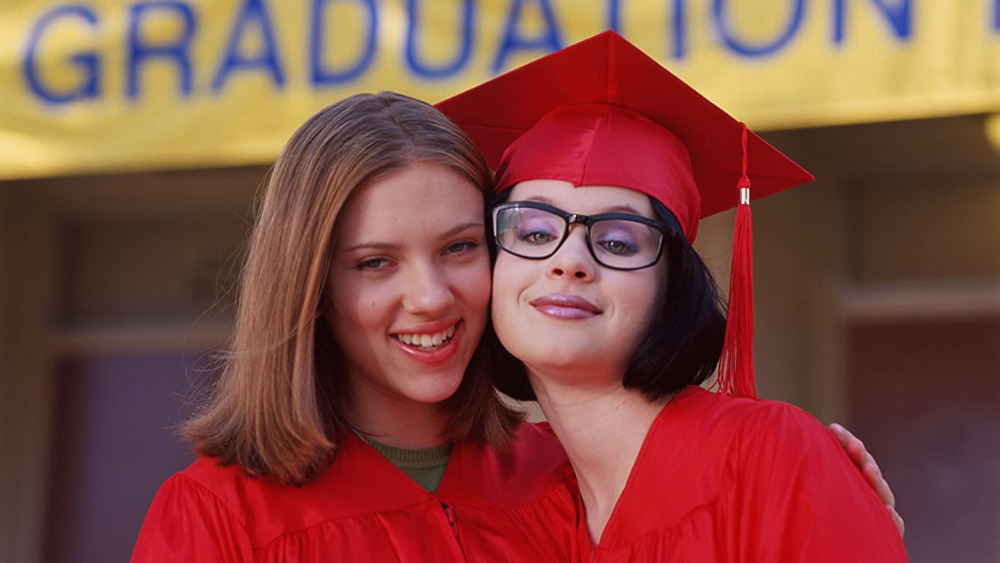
874	477
856	451
897	520
854	447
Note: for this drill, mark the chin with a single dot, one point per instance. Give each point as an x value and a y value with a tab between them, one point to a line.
434	393
556	352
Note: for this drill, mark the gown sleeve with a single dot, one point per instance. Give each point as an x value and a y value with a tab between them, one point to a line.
187	522
796	497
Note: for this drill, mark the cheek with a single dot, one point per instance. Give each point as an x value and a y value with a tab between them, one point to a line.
478	284
507	274
360	305
507	287
644	298
471	284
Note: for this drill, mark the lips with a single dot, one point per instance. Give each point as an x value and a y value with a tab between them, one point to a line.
562	306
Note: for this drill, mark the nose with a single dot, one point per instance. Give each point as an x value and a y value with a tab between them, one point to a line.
573	258
427	291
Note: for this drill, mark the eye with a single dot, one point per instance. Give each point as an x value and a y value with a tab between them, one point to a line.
372	264
536	237
537	231
462	246
623	238
618	247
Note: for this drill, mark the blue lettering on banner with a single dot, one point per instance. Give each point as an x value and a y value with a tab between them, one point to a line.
996	15
446	70
679	45
899	16
88	61
615	16
254	13
325	76
747	50
512	39
179	51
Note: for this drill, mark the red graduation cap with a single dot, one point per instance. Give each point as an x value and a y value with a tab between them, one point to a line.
601	112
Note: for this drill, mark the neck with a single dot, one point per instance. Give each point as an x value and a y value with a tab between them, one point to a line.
602	429
396	421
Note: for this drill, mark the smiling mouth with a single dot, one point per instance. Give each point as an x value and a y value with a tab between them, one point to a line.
427	342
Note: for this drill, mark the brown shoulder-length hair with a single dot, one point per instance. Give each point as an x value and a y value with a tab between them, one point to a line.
277	408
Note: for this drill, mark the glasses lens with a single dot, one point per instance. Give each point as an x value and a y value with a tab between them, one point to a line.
528	232
619	243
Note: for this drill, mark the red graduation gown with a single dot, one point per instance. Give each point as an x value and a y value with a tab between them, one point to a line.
513	507
720	479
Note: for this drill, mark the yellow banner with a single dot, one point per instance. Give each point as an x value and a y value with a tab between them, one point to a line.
110	85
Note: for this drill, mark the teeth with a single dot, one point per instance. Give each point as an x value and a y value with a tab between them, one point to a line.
427	341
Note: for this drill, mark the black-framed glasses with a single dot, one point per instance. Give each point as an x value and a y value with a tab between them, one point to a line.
620	241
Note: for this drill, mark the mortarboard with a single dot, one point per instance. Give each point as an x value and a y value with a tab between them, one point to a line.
602	112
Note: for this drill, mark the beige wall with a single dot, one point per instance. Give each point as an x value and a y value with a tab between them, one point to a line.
903	221
26	268
928	232
98	264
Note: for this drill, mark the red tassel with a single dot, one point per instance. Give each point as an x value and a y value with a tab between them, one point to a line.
736	373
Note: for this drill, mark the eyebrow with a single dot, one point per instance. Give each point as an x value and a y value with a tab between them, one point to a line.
374	245
620	208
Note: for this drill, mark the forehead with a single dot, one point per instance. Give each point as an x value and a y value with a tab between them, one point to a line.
587	200
420	199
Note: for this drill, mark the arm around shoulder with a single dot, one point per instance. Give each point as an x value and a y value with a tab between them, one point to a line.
187	522
795	496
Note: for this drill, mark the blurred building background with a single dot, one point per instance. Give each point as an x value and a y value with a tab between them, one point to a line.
135	135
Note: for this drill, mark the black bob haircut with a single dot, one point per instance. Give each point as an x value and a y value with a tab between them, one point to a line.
683	343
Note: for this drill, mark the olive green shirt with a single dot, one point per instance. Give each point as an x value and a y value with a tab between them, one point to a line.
425	466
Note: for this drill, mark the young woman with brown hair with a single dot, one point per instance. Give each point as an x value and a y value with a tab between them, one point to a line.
356	377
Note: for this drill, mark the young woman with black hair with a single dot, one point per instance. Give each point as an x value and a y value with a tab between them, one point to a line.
605	165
